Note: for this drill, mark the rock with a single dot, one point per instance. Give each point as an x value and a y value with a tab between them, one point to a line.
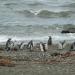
55	54
69	30
65	31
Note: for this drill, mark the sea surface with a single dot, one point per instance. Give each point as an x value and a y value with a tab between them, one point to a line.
36	19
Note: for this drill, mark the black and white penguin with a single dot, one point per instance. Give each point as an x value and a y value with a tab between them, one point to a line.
73	46
62	44
21	45
30	45
49	41
9	44
42	47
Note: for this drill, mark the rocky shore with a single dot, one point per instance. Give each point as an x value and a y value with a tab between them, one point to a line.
24	61
53	54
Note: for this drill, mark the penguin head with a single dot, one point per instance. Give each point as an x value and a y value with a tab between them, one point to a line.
9	39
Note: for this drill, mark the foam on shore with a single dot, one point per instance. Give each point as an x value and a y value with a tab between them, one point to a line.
55	37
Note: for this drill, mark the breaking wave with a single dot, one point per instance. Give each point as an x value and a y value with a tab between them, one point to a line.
49	14
46	13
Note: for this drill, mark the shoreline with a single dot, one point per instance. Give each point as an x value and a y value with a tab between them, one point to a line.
33	62
54	54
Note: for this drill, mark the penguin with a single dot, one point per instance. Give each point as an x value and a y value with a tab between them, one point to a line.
73	46
30	45
42	47
49	41
9	44
62	44
21	45
46	46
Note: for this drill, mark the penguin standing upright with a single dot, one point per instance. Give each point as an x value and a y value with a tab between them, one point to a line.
46	46
62	44
30	45
42	47
49	41
21	45
73	46
9	44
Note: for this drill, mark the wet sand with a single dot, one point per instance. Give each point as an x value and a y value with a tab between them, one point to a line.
39	69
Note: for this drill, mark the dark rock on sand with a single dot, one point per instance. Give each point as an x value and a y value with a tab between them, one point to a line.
55	54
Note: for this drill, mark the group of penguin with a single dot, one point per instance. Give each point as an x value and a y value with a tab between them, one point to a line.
43	46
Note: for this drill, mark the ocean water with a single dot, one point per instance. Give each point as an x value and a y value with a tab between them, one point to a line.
36	19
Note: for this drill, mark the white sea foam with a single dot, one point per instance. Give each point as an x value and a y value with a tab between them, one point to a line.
55	38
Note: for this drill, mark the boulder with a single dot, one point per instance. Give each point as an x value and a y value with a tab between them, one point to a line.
69	30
